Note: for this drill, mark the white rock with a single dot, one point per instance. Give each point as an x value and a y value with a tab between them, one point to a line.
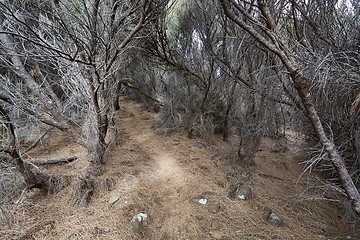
202	201
138	222
242	197
141	217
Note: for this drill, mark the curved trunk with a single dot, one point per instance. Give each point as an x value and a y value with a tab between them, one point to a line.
274	42
30	178
302	87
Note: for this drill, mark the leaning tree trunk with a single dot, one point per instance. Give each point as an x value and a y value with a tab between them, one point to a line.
267	36
31	179
302	86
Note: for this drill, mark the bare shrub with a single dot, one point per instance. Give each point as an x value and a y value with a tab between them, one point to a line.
11	182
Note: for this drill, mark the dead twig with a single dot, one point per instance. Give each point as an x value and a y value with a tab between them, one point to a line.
54	161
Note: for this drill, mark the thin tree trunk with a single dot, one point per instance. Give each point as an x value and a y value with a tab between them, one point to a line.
29	177
227	113
116	101
278	46
302	87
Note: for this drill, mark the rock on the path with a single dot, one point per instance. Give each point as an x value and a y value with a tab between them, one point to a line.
201	201
114	197
138	222
243	193
273	218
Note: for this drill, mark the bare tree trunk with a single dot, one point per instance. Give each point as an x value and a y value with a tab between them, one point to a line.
116	101
29	177
302	86
278	46
229	107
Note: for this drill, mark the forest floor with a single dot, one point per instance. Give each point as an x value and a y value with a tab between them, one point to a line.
164	176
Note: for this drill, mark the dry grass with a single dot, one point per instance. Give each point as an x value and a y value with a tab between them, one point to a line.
160	175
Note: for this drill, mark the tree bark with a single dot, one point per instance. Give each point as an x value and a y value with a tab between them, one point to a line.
29	177
302	86
274	42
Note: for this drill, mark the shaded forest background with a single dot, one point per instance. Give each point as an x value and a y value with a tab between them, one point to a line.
247	68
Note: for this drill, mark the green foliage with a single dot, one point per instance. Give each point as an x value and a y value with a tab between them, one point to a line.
177	8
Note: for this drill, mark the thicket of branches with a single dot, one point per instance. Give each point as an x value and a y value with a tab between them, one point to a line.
246	68
59	63
261	67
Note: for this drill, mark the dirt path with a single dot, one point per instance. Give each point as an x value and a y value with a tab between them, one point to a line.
162	176
174	179
168	183
139	129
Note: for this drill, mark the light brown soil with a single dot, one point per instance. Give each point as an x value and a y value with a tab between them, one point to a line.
161	175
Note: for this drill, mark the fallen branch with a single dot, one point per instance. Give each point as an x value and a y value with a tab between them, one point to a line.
54	161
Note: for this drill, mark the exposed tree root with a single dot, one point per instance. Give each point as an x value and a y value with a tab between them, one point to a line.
54	161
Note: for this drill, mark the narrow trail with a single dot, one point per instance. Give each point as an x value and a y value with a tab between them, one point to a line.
141	133
165	176
165	181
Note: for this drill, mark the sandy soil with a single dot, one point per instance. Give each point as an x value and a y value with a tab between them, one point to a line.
162	176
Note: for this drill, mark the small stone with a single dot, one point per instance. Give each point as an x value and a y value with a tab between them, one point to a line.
114	197
201	201
243	193
138	222
272	218
216	234
258	207
145	117
199	217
